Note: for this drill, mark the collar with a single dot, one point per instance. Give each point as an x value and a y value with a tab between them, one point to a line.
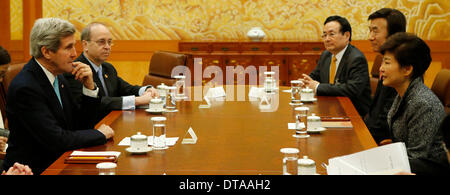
339	55
49	75
95	66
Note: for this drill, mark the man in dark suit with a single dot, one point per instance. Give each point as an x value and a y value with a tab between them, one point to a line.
383	23
342	69
44	121
116	93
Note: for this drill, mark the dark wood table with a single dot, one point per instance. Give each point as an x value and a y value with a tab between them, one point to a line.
234	137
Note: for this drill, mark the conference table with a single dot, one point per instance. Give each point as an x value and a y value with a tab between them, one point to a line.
234	138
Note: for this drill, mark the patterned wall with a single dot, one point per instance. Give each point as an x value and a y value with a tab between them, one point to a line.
231	19
16	16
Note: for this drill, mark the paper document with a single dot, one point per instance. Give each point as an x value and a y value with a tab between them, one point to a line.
256	92
216	92
292	125
89	153
387	159
170	141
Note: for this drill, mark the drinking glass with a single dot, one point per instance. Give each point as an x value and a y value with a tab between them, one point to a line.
159	133
269	82
296	87
180	85
171	104
301	114
290	161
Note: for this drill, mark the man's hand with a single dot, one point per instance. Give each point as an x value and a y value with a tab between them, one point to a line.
83	73
144	99
154	93
106	130
309	82
18	169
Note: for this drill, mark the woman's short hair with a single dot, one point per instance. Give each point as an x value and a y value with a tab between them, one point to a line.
409	50
48	32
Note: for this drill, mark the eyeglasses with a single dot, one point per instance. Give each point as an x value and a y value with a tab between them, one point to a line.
103	42
331	35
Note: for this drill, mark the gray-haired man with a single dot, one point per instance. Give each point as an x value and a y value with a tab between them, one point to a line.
43	119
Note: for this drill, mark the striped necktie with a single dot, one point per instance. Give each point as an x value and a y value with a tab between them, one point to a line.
56	88
333	69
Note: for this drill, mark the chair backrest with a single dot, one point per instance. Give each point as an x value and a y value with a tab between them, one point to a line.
11	72
161	66
441	87
163	62
375	73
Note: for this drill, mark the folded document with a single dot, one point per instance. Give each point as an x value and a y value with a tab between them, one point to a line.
387	159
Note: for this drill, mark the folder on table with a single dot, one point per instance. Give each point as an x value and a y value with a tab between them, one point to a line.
82	157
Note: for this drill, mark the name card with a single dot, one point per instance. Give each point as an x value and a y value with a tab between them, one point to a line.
216	92
191	140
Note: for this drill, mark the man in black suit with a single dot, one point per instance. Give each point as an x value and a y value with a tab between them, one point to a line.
383	23
116	93
44	121
342	69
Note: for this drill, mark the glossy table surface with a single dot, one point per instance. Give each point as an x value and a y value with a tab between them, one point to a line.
234	137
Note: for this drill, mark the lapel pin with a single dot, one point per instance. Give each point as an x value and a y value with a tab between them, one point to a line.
106	76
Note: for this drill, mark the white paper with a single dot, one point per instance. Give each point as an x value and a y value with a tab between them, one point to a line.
170	141
293	125
387	159
96	153
192	140
216	92
256	92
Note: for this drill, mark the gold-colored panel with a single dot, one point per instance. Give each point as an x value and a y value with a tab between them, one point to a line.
300	20
16	14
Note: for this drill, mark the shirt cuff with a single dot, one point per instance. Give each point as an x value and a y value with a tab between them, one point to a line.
128	102
90	93
142	89
315	90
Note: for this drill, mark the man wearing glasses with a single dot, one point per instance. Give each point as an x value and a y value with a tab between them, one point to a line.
342	69
116	93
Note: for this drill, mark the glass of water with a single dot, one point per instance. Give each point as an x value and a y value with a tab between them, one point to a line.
269	82
296	87
180	84
290	161
171	104
159	133
301	122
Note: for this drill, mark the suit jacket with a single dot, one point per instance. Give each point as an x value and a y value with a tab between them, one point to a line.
351	80
40	129
376	119
415	119
115	86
